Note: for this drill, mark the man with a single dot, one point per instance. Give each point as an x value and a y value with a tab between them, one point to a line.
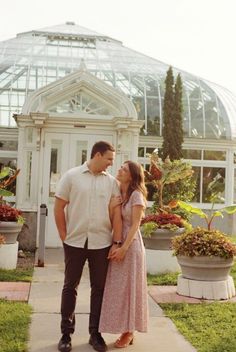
85	230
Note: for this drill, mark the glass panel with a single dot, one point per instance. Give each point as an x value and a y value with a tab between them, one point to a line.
55	165
141	151
197	177
234	186
81	152
192	154
29	134
234	157
149	150
28	174
153	117
210	174
8	145
214	155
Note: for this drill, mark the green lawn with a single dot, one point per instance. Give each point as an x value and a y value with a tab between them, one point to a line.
208	327
14	326
163	279
18	274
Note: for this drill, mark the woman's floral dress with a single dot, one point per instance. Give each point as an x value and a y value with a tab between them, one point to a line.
125	306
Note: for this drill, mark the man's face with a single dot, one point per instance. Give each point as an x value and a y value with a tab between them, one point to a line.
105	160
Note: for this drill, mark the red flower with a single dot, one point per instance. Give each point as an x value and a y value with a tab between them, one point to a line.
7	213
163	219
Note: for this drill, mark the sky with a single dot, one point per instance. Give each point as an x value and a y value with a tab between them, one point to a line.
197	36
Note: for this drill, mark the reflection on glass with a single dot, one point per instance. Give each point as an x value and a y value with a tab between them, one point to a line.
191	154
210	174
55	165
149	150
28	173
29	134
197	178
81	152
141	152
8	145
214	155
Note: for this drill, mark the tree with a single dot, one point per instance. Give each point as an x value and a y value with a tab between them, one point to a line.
172	131
178	120
168	116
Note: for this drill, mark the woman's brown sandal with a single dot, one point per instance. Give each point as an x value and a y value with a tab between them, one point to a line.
125	340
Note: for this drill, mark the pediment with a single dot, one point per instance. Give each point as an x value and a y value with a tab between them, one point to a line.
80	93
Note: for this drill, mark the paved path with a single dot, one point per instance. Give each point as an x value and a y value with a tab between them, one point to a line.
45	327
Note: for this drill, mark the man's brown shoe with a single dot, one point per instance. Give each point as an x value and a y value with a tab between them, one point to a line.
64	344
96	340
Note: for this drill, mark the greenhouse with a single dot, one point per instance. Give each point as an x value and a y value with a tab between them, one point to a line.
64	87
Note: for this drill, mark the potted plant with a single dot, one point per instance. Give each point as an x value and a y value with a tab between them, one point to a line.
205	254
163	223
11	220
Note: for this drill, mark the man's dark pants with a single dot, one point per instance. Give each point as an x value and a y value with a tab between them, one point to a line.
74	262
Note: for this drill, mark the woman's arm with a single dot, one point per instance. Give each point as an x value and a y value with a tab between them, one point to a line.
119	253
116	220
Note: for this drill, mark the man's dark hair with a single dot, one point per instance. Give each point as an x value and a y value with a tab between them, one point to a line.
101	147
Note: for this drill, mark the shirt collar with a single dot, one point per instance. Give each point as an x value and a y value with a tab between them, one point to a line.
85	168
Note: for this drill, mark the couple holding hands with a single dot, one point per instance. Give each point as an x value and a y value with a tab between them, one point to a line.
98	218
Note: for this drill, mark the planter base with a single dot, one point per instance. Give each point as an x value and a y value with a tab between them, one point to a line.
8	255
161	262
214	290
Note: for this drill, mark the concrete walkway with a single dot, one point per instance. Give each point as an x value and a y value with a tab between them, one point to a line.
45	296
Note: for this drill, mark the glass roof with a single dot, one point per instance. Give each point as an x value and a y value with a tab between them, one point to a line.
39	57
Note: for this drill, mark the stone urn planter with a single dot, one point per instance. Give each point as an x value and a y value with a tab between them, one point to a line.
205	268
9	249
205	257
10	230
160	239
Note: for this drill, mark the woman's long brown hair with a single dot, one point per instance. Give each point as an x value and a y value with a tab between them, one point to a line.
137	182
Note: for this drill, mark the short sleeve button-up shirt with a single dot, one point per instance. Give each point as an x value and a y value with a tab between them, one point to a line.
87	213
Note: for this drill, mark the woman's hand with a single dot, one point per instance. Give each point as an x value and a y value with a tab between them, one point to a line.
118	254
115	201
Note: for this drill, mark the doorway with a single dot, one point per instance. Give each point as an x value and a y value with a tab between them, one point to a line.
62	151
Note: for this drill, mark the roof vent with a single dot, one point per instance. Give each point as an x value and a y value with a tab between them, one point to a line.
70	23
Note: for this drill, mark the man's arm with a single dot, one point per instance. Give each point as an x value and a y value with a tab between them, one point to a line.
116	221
60	218
117	224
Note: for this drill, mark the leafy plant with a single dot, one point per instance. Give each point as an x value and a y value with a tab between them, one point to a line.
7	212
7	177
162	221
215	189
208	218
203	242
161	174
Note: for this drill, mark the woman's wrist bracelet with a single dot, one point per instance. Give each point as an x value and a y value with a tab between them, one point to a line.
117	242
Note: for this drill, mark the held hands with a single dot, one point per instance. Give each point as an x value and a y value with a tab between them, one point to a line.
117	253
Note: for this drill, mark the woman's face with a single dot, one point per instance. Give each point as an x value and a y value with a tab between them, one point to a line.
123	174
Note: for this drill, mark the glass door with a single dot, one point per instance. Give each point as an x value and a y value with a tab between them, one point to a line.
62	152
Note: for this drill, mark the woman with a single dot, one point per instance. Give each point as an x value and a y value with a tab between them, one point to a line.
124	307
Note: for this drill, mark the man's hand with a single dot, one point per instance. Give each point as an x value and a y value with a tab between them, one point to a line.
117	254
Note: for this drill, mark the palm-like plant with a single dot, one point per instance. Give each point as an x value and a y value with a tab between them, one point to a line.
162	173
